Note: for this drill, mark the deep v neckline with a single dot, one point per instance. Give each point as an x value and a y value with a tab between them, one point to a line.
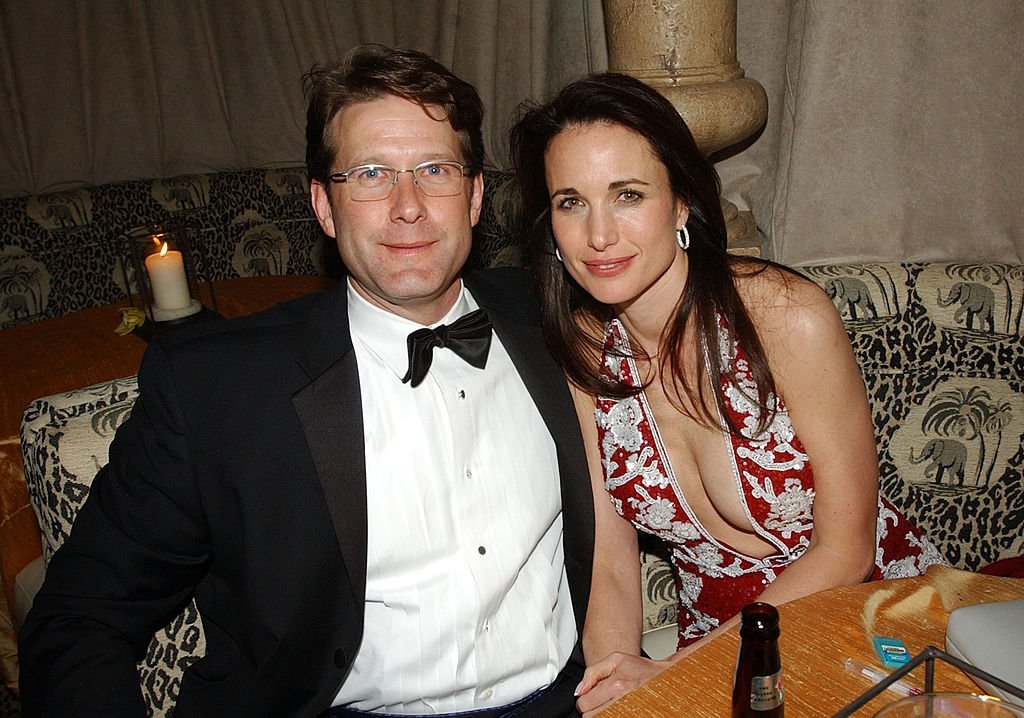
660	454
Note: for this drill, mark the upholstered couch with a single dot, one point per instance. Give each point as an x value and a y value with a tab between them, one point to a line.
942	355
940	347
61	252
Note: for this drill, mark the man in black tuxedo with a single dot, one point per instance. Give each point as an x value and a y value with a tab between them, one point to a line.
378	495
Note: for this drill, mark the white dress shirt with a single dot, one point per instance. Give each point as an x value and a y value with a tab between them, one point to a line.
467	601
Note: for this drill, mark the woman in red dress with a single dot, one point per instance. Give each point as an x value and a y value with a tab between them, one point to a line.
719	396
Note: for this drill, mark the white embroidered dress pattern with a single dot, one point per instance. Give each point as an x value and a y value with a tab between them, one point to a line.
773	479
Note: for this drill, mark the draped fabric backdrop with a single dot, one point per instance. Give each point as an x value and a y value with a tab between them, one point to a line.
894	129
893	132
95	92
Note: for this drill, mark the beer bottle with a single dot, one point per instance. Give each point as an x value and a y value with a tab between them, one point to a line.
757	688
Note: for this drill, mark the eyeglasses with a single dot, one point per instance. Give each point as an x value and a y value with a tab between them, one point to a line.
372	182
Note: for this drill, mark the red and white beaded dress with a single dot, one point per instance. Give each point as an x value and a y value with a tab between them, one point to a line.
773	478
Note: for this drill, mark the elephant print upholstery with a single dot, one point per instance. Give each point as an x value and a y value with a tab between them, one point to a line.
60	210
293	183
943	364
60	214
185	193
64	440
849	294
943	455
24	287
257	266
182	198
974	301
15	305
79	249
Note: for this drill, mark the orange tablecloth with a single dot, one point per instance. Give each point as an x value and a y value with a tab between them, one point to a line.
65	353
818	633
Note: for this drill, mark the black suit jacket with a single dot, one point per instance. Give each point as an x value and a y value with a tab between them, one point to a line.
240	478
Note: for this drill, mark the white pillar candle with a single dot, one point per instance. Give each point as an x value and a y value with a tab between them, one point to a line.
167	278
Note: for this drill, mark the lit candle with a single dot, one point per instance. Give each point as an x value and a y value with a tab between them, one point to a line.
167	278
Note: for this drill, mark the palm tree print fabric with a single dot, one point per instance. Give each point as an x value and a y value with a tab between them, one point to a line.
942	355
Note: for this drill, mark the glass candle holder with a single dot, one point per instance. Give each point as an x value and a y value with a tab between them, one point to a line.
950	705
163	272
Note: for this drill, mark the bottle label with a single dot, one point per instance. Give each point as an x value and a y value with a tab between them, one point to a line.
766	692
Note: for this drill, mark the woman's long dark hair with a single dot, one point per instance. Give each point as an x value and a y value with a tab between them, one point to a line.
572	318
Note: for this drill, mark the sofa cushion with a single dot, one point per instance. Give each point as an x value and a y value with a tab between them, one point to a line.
658	584
942	356
26	585
64	441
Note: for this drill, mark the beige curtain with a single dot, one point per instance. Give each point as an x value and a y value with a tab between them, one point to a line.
94	92
894	129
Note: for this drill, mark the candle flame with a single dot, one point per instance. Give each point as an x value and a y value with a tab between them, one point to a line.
163	249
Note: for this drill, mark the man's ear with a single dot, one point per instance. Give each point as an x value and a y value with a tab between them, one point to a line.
321	201
476	199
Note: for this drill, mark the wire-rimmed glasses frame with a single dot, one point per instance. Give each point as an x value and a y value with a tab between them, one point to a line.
435	178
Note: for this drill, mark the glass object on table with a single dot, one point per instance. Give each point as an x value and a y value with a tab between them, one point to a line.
950	705
160	273
757	687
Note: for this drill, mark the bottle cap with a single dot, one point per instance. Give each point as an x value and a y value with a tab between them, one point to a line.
760	617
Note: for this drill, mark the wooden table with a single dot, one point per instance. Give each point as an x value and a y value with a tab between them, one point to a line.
82	348
818	633
66	353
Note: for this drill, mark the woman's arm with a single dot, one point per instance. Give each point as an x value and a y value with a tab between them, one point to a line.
611	635
817	375
614	613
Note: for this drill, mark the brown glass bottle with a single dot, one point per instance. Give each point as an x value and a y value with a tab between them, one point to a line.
757	688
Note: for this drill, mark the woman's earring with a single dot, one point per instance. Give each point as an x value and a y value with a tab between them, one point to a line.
683	238
558	255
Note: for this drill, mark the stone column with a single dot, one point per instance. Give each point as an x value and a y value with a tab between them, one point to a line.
686	49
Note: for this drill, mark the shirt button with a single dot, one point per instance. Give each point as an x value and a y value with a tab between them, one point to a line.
481	550
462	393
469	473
488	693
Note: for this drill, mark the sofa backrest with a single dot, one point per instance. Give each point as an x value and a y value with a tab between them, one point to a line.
942	355
64	441
62	252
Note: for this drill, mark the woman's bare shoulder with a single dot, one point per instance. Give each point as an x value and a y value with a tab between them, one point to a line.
787	307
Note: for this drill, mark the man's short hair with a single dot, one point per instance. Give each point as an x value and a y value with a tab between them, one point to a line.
369	72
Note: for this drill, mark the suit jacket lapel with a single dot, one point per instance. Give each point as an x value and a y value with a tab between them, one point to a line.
330	411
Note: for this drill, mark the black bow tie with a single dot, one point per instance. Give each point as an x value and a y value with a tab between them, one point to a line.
469	337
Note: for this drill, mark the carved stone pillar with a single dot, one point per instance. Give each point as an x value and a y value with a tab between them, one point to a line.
686	49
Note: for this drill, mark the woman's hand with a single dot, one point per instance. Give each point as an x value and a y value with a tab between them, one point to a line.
608	680
613	677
